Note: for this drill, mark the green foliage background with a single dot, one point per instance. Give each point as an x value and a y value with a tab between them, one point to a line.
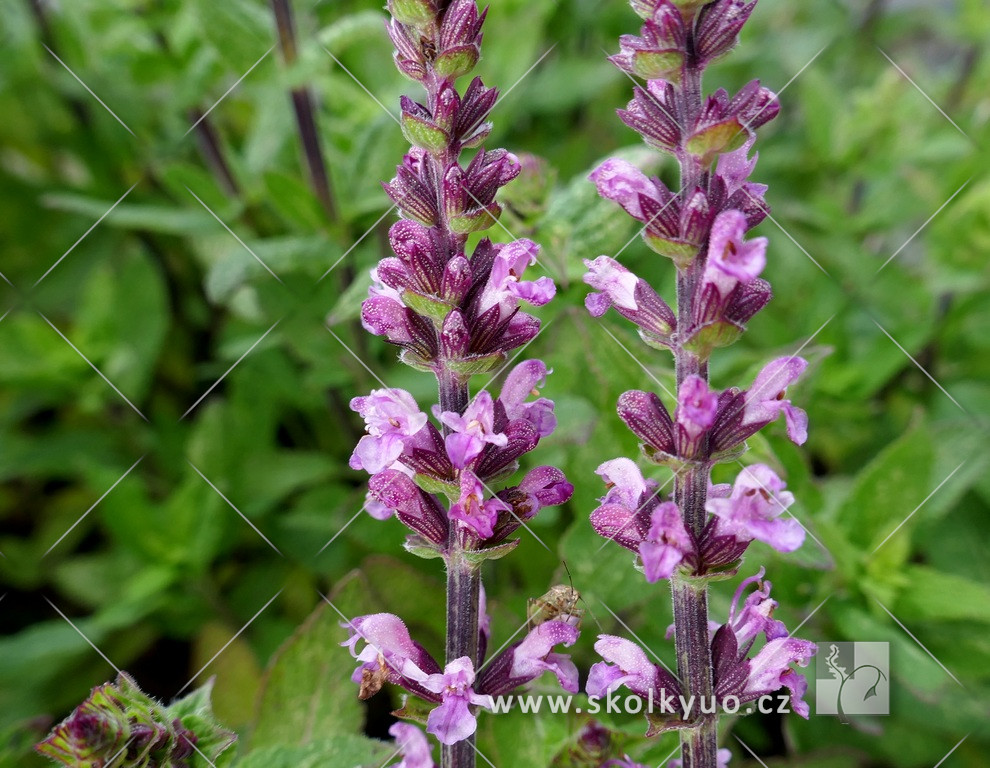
161	572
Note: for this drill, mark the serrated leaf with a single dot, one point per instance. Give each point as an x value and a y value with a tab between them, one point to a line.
307	693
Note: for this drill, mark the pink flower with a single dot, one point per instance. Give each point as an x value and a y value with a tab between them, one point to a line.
389	411
666	544
472	510
533	656
696	406
632	297
645	415
453	720
616	283
756	616
388	650
376	509
769	670
386	316
731	259
472	431
735	168
723	756
754	508
415	749
547	485
530	658
505	286
416	509
623	183
625	481
765	399
521	383
625	663
624	514
632	515
391	416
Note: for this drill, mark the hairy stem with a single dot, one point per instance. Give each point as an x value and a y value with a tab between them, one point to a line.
694	659
463	585
463	591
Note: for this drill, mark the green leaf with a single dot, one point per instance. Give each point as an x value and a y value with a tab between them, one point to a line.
932	595
471	366
423	133
477	220
152	218
307	693
433	485
237	674
413	12
478	556
712	141
712	335
679	251
456	62
888	489
196	713
342	750
414	708
435	309
519	739
238	30
417	545
654	65
358	28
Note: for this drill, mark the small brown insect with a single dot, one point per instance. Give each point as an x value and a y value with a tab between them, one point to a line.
429	48
560	603
372	680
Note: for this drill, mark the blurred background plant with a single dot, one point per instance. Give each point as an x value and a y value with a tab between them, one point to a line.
173	460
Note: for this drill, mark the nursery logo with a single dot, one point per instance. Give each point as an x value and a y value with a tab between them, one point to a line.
853	679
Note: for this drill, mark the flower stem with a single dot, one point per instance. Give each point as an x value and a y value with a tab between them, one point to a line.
690	598
302	104
694	661
463	585
463	591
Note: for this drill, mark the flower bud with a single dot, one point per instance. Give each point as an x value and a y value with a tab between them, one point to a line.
456	281
408	56
718	27
415	13
455	338
654	114
459	42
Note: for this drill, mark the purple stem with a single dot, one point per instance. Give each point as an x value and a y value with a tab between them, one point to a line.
463	584
694	660
302	105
